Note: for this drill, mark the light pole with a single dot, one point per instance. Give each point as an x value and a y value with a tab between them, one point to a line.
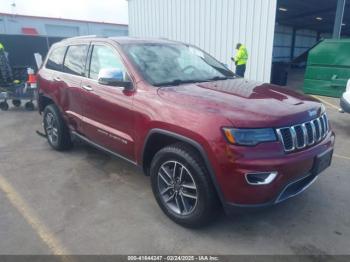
13	8
338	19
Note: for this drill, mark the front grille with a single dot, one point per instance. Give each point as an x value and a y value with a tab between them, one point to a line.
303	135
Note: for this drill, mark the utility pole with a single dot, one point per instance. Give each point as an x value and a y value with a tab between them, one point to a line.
339	19
13	8
292	48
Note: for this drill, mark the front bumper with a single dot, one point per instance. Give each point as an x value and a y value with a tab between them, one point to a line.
294	173
345	104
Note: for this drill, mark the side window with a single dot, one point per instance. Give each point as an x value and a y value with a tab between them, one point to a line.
103	57
55	59
74	63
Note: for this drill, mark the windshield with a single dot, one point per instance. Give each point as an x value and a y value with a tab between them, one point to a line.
172	64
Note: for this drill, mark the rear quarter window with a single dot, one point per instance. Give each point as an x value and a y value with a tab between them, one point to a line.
55	59
74	62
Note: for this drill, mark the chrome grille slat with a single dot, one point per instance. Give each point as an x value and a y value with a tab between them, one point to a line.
317	128
310	134
306	138
323	127
320	127
298	136
313	132
294	136
325	121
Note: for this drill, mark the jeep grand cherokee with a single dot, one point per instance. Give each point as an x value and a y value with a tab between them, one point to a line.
202	134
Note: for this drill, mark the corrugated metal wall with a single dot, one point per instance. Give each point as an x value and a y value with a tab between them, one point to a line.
214	25
282	43
304	39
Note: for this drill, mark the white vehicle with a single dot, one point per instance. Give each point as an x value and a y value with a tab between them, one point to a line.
345	100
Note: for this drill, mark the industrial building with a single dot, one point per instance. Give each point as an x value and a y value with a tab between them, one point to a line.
38	33
272	30
12	24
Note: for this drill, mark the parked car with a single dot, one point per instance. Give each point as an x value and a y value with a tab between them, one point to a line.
345	99
205	137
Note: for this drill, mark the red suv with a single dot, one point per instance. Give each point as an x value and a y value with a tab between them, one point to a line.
203	135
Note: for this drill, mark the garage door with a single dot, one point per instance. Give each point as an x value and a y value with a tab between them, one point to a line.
61	30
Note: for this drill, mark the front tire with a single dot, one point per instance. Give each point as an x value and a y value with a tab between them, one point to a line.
56	130
182	187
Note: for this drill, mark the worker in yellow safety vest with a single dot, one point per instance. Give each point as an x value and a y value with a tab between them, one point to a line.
5	69
240	59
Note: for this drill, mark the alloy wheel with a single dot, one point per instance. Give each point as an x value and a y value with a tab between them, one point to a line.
177	188
51	128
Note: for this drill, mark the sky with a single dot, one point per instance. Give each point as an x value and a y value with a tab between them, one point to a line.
113	11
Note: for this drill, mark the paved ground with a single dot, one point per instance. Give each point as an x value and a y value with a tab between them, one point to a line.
85	202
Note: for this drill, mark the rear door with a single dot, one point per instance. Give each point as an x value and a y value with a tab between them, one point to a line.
108	112
70	81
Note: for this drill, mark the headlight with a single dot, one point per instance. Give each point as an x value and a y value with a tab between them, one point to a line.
249	137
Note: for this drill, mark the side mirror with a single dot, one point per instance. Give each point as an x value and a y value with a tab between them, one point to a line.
114	77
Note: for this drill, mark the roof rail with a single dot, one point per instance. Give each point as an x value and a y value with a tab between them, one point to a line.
83	36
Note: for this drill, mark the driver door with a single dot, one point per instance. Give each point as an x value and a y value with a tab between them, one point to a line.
108	110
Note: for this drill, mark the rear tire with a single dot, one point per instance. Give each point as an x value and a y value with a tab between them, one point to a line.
56	130
185	195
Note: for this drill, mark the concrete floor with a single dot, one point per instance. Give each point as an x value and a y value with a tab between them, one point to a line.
85	202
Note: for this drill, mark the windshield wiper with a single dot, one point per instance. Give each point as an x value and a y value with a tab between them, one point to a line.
217	78
177	82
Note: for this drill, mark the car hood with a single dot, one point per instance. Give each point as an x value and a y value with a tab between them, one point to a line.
245	103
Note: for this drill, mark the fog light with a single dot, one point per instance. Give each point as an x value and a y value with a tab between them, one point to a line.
260	178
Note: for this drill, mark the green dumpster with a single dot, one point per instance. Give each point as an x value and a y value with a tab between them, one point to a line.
328	68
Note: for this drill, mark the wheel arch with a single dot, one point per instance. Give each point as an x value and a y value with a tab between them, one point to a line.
156	135
43	101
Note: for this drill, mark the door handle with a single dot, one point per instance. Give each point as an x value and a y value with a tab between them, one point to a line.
87	87
57	78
